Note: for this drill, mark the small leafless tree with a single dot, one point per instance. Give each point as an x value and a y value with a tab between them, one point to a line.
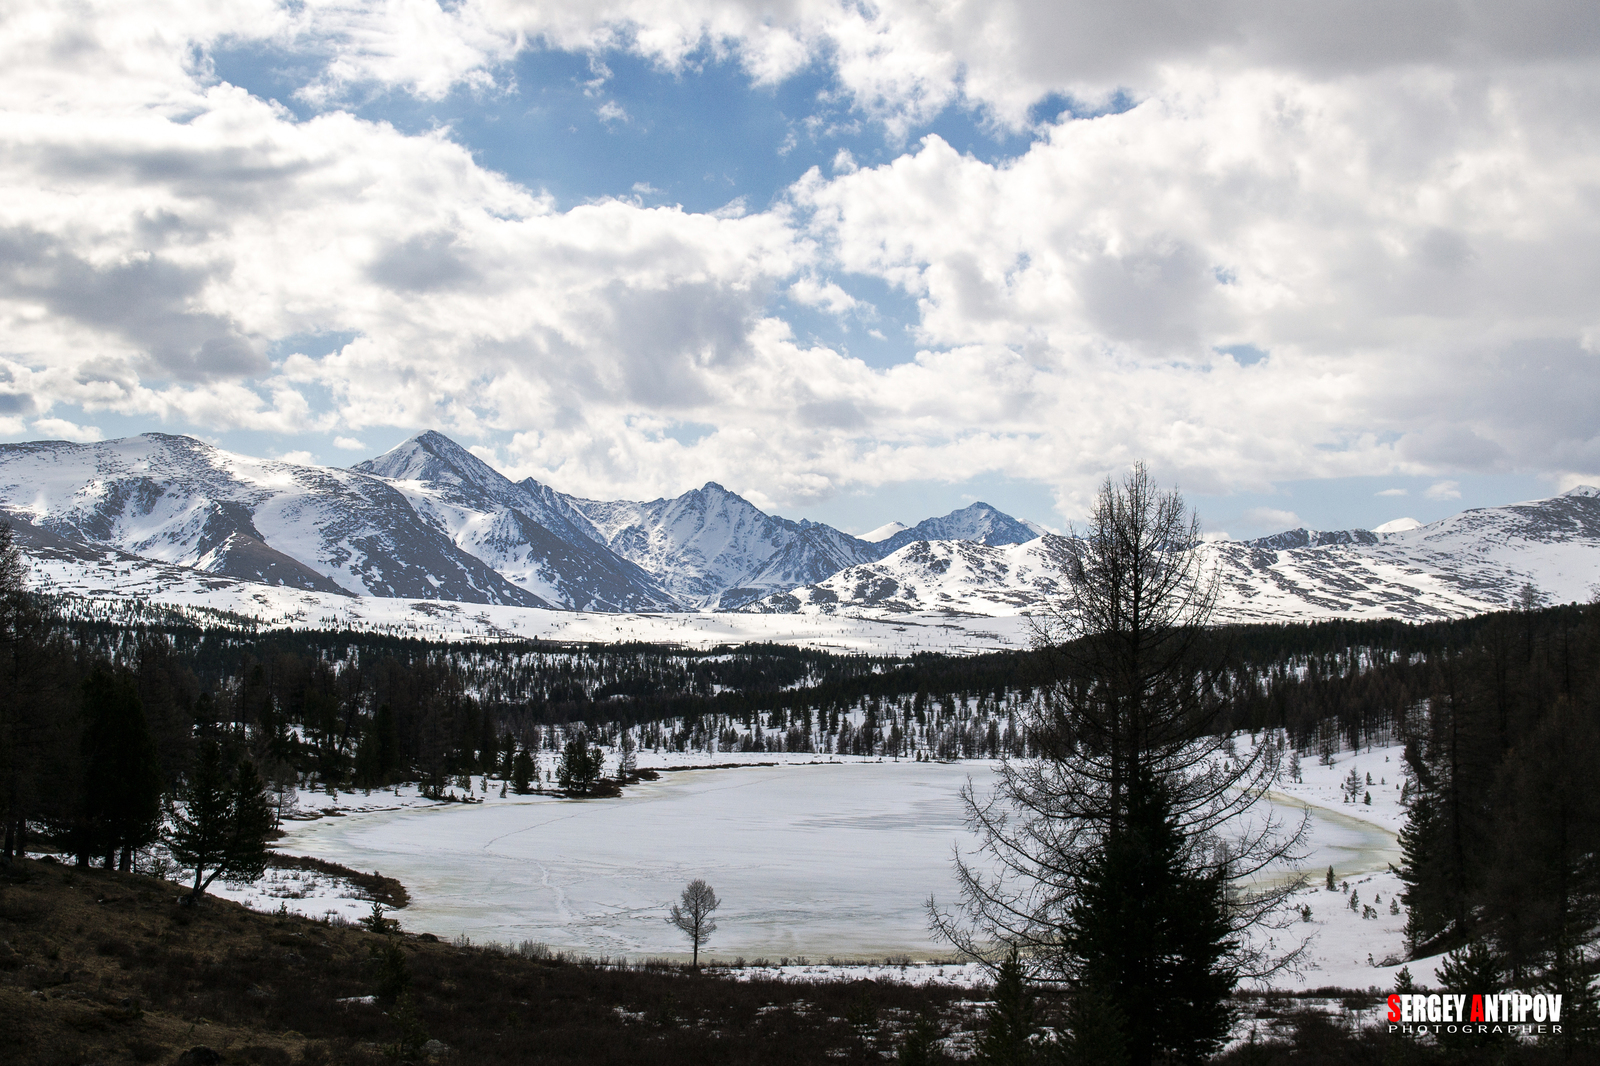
693	915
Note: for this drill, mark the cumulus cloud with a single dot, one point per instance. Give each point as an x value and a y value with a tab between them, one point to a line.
1404	219
61	429
1272	518
904	60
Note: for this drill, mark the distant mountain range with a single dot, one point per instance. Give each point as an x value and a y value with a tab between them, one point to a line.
1484	559
430	522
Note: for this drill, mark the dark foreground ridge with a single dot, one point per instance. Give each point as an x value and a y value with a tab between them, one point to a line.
103	967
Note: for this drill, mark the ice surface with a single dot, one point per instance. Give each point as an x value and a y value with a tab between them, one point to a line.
820	860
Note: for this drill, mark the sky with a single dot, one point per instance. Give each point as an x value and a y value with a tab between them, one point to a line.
1316	264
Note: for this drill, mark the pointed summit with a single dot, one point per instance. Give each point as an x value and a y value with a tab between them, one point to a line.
433	457
978	522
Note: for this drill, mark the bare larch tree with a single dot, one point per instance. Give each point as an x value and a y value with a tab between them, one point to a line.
1133	848
693	915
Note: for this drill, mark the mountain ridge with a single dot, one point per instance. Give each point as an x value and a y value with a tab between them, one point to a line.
426	519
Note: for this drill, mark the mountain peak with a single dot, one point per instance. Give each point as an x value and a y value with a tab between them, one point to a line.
1583	490
977	521
883	532
432	456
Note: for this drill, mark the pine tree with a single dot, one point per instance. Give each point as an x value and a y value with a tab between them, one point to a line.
921	1044
221	822
1473	969
580	766
1120	863
523	769
1160	952
1009	1028
1403	983
627	758
122	773
1094	1031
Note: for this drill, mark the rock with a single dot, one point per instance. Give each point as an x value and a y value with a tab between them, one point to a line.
200	1055
435	1048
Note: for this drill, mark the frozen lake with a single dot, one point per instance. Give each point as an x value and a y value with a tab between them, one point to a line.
814	860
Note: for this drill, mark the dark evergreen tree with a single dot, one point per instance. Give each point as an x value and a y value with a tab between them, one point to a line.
522	770
122	783
1093	1034
38	760
920	1047
221	822
1009	1027
580	766
1150	934
1122	866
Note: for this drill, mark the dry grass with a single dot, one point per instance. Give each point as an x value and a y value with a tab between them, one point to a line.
102	967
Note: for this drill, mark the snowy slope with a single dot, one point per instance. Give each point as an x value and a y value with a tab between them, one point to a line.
427	519
176	500
979	523
1476	561
935	576
524	535
883	532
712	547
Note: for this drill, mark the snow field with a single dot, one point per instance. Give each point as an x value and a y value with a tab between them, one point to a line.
827	857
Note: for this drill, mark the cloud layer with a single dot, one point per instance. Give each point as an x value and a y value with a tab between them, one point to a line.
1402	213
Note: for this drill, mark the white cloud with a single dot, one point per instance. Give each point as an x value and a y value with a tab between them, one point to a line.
301	457
1404	220
904	60
1443	490
61	429
1272	518
349	444
825	294
611	111
1393	492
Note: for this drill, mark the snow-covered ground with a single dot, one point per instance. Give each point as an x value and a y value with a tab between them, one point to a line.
823	858
117	584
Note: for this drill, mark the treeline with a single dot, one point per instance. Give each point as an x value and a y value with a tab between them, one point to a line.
1497	713
1502	841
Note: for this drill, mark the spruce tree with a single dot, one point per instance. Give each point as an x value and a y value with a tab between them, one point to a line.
122	773
580	766
921	1044
1094	1031
1150	935
221	822
522	771
1009	1027
1117	858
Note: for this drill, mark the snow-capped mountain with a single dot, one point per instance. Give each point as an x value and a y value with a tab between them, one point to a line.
529	537
1480	560
713	548
941	575
883	532
979	523
181	501
426	520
